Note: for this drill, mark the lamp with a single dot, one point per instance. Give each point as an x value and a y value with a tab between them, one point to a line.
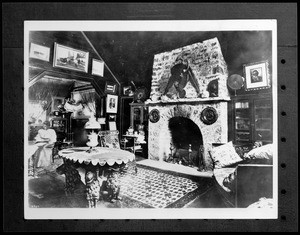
92	126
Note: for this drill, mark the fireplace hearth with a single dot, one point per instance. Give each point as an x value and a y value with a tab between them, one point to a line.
179	132
186	143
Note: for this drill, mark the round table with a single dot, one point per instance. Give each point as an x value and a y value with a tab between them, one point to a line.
102	166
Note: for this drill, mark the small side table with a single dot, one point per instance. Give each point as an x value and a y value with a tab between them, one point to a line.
135	142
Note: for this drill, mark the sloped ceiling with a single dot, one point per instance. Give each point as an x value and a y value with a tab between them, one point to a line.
129	55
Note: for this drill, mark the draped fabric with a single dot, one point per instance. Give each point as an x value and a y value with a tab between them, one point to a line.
88	100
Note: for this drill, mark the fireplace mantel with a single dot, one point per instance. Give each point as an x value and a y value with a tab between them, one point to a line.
185	101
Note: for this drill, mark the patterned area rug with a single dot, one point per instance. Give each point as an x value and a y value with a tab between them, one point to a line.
160	189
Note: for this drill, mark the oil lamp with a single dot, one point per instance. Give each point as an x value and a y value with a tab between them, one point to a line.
92	127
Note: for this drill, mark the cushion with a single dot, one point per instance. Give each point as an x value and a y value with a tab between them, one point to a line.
260	155
224	155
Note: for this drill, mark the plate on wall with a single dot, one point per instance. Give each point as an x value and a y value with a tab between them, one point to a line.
209	115
154	115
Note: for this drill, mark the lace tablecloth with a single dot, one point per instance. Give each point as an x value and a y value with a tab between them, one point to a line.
99	155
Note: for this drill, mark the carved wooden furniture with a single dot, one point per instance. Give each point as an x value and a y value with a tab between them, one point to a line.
101	165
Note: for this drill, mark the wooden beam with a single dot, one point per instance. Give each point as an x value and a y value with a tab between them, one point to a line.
100	57
36	78
98	89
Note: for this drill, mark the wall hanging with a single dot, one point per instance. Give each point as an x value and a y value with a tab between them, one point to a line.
209	116
39	52
257	76
110	88
111	103
97	67
154	115
69	58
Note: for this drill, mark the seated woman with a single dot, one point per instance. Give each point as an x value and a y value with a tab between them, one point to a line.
45	140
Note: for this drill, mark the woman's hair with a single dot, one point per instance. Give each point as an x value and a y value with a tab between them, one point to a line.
47	123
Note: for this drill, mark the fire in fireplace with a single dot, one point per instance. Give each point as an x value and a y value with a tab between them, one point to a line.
186	147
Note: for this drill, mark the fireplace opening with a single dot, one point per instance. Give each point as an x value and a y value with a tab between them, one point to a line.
186	147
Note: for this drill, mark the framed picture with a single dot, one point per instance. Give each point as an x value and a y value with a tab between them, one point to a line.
127	91
97	67
69	58
56	102
112	126
39	52
111	103
110	88
257	76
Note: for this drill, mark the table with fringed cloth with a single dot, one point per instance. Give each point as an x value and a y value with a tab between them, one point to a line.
100	165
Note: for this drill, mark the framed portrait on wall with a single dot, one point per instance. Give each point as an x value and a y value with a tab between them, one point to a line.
257	76
69	58
111	103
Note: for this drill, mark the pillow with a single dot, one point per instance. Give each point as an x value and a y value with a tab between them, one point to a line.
260	155
224	155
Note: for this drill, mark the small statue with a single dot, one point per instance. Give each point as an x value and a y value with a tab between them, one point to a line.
111	187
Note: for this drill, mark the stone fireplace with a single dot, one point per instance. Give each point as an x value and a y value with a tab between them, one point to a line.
188	102
160	140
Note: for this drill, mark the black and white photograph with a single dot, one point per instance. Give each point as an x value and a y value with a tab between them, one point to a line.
200	144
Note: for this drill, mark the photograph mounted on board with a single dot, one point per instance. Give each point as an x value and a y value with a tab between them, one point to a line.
69	58
257	76
39	52
97	67
110	88
111	103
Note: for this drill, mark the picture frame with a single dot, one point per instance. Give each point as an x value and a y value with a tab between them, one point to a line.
127	91
56	102
97	67
256	76
112	126
39	52
110	88
111	103
70	58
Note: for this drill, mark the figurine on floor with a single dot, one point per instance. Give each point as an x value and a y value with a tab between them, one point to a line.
111	187
93	188
73	179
